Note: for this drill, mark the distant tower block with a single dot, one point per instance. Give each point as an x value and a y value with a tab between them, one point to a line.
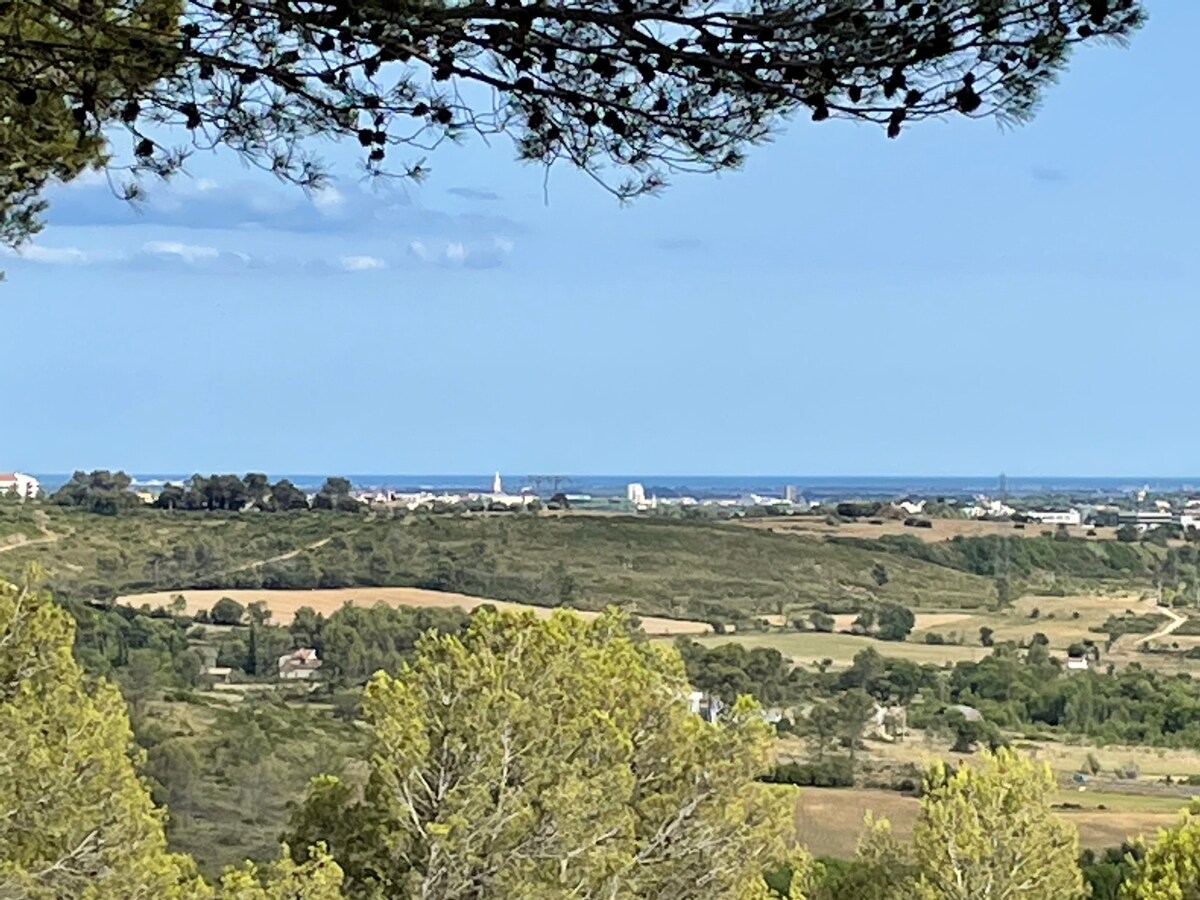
636	493
789	493
497	485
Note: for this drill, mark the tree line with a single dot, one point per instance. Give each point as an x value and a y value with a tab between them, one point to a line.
108	493
1015	688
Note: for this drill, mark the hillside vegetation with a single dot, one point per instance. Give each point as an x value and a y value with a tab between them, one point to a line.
655	567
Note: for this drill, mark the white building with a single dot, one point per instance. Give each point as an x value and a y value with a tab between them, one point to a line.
1188	520
636	493
497	485
24	486
1056	516
985	507
1077	663
299	665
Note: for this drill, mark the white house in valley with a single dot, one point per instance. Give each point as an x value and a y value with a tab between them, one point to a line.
21	485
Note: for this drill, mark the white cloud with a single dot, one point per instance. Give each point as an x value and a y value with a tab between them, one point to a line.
55	256
462	254
328	199
206	184
187	252
362	263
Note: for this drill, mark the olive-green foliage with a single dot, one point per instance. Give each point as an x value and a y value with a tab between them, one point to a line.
987	832
75	819
882	869
357	641
998	555
252	763
549	759
1107	872
685	569
730	670
1022	690
1169	869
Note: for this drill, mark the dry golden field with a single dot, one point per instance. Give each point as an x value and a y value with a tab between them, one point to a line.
942	530
829	821
283	604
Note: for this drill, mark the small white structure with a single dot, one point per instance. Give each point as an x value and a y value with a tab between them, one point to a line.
912	507
888	723
497	485
218	674
1077	663
636	494
707	708
24	486
1056	516
985	507
299	665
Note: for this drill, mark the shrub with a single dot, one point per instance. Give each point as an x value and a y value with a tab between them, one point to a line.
821	621
833	771
226	611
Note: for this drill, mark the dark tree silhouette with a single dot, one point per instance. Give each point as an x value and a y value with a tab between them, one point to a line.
627	90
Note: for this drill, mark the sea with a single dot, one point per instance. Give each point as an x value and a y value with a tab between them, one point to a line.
813	487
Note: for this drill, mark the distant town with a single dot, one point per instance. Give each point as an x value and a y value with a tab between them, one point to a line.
1087	506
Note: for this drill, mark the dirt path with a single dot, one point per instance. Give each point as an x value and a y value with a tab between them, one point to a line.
49	538
282	557
1176	621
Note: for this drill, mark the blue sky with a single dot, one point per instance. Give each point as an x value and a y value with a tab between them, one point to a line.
963	300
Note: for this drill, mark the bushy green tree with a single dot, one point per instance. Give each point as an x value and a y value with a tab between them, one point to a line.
821	621
1169	869
895	622
550	759
987	832
227	611
74	818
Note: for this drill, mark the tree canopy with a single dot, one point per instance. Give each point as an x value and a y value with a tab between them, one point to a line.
1170	868
75	818
988	833
551	759
628	90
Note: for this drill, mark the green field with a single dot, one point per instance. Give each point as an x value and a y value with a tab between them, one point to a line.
1063	620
